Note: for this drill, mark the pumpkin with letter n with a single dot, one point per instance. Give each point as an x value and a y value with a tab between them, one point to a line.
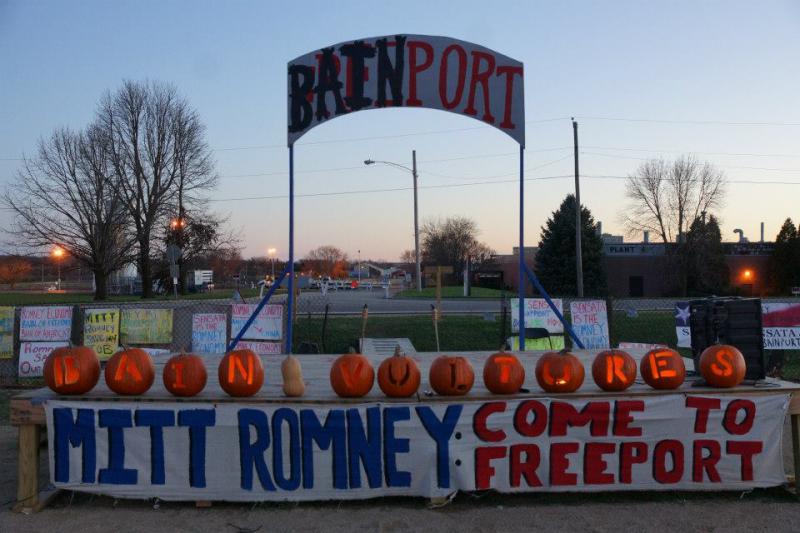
722	365
398	375
352	375
503	373
130	372
451	375
559	372
72	370
185	375
663	369
241	373
614	370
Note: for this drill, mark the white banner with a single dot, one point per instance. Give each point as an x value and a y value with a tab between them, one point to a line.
254	452
406	71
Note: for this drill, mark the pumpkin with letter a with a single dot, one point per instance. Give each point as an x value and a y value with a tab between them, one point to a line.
398	375
241	373
451	375
559	372
130	372
614	370
503	373
72	370
352	375
722	365
185	375
663	369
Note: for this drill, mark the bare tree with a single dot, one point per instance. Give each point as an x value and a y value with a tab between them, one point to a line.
327	261
14	269
68	196
450	241
665	198
159	156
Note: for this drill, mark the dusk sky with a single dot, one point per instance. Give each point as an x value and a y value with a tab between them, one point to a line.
717	79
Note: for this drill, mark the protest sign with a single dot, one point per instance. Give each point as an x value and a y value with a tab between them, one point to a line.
32	356
209	332
268	324
261	348
45	323
6	332
146	326
781	325
101	331
590	323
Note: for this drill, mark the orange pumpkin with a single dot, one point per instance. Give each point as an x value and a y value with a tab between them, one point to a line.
398	376
503	373
614	370
559	372
451	375
185	375
241	373
722	365
352	375
663	368
130	372
72	370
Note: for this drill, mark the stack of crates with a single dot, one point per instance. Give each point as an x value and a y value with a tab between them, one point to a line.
730	320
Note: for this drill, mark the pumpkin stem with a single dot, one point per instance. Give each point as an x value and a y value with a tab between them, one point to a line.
351	350
397	352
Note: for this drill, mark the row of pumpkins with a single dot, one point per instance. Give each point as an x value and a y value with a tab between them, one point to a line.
76	370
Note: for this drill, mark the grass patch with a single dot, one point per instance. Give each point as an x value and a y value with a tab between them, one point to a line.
453	292
44	298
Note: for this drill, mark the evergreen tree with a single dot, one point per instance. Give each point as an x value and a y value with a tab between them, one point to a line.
784	264
704	258
555	259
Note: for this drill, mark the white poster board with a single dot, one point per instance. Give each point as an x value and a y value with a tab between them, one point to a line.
537	315
590	323
268	325
261	347
209	332
46	323
32	356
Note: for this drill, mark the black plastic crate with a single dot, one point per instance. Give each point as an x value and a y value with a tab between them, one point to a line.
730	320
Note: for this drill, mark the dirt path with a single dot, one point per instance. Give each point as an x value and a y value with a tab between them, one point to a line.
772	510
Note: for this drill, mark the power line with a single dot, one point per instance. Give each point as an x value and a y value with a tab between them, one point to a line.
770	169
689	152
694	122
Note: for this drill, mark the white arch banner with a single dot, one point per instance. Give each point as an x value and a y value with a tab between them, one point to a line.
406	71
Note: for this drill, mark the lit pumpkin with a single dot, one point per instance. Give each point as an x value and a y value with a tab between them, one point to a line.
352	375
559	372
614	370
503	373
398	375
663	368
72	370
130	372
185	375
451	375
722	365
240	373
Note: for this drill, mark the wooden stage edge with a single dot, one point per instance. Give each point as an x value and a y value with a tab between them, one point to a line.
27	408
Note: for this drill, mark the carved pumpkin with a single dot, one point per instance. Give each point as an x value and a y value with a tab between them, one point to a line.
72	370
130	372
398	376
240	373
503	373
185	375
663	368
559	372
451	375
292	373
614	370
722	365
352	375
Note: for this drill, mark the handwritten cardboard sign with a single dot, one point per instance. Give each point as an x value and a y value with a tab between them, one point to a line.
32	356
537	315
6	332
590	323
261	348
101	331
268	325
146	326
209	332
45	323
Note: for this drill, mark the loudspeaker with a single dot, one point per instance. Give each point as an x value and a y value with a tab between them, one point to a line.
730	320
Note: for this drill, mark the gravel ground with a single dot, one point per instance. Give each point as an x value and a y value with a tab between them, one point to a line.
771	510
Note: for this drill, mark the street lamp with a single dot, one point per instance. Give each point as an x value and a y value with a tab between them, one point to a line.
413	171
271	253
359	267
58	253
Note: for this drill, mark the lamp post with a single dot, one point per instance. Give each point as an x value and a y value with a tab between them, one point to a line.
58	253
413	171
271	253
359	267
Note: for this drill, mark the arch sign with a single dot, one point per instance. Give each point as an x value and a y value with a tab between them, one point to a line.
406	71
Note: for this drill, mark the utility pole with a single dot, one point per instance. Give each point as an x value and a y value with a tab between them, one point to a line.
416	220
578	225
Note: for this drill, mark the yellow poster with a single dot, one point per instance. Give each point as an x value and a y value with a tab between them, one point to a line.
146	326
6	332
101	331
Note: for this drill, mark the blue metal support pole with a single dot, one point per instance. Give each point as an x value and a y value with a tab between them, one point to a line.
546	296
521	289
290	307
259	307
